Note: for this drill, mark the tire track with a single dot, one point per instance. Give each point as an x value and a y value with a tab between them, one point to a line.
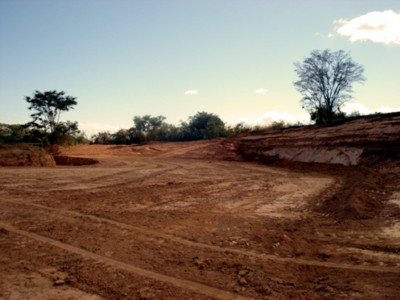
180	283
183	241
102	183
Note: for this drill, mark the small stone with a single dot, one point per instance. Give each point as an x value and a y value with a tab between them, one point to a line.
199	262
243	273
58	282
242	281
276	245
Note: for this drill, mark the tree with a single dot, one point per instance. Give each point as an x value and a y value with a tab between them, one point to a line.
146	128
20	133
205	125
48	107
148	123
325	82
5	133
103	137
65	133
120	137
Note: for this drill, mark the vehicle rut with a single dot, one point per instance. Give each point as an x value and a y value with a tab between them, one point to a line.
186	242
180	283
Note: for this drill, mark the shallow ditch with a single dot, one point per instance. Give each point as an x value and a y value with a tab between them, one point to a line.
73	161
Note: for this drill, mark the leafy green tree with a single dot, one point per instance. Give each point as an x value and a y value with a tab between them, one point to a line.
168	132
121	137
323	116
136	136
184	133
146	128
17	133
65	133
205	125
48	107
148	123
325	82
103	137
5	133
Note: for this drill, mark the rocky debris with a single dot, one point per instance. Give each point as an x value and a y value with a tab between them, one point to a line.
200	262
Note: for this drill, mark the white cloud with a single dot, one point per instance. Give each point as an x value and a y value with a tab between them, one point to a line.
191	92
261	91
275	116
387	109
351	107
378	27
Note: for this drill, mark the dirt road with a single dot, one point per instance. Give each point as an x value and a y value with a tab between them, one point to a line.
147	224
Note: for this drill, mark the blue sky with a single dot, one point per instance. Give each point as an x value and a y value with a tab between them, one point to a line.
234	58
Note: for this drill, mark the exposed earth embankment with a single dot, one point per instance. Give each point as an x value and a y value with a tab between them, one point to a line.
348	144
23	155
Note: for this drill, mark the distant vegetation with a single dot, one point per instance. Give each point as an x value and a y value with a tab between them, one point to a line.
24	133
201	126
146	128
325	82
45	127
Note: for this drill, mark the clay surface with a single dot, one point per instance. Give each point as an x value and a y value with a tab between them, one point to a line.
204	220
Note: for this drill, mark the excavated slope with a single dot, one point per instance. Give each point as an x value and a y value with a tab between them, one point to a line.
25	155
351	143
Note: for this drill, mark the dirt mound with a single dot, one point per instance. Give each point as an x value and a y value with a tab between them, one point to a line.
360	196
22	155
219	149
110	150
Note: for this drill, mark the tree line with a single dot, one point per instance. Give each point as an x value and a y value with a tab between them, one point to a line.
325	80
148	128
201	126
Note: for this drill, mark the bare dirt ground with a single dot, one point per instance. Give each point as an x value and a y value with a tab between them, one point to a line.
152	222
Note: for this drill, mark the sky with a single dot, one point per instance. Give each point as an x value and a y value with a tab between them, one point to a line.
234	58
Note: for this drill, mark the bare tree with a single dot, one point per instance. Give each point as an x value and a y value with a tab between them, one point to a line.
325	82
